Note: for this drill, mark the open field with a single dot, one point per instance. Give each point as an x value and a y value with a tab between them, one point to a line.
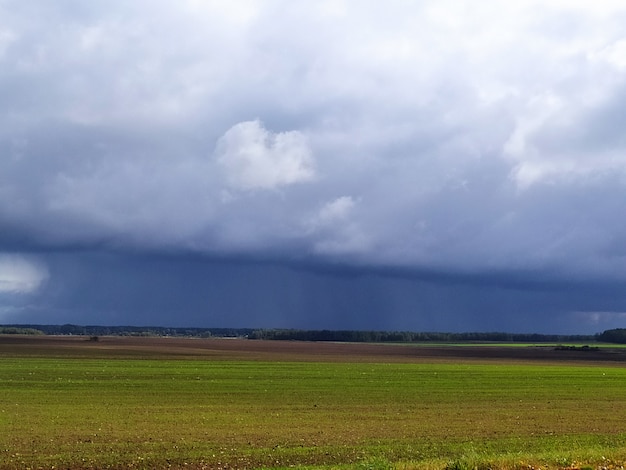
187	403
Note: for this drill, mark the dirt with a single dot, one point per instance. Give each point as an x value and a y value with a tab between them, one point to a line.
244	349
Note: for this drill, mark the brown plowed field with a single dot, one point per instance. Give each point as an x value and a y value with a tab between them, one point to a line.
244	349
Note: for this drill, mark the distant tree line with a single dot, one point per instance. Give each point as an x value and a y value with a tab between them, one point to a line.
617	335
93	330
356	336
16	330
411	337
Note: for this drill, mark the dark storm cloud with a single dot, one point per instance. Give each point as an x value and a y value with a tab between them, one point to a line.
480	144
187	291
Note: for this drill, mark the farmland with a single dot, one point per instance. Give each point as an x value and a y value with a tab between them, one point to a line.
190	403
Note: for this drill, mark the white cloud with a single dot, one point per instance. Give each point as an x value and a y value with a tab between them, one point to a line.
334	211
254	158
21	274
335	230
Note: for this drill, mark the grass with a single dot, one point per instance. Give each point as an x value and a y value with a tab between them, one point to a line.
147	413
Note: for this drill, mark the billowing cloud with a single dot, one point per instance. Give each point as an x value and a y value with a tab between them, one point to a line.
334	210
336	230
253	158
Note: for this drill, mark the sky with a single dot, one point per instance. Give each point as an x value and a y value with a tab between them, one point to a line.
441	165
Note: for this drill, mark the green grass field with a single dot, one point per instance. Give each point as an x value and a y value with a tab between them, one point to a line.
190	413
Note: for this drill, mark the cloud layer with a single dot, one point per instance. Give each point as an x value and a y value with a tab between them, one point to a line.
432	136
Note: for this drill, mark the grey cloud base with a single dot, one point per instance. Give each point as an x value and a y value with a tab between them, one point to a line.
118	289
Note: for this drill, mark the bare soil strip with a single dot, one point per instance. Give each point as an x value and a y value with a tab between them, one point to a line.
244	349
